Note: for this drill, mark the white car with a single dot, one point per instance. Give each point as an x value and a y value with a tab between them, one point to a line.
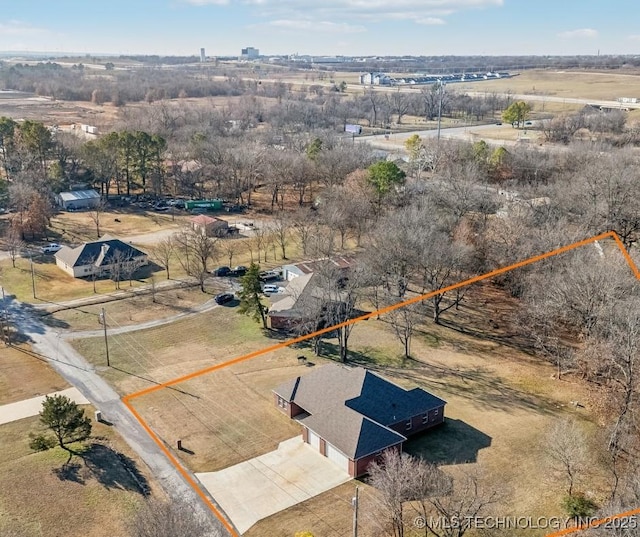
269	289
51	248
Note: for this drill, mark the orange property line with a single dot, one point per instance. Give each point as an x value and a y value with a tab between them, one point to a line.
126	399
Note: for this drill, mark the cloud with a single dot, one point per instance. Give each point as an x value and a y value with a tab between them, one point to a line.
21	29
431	21
354	11
582	32
326	27
634	37
207	2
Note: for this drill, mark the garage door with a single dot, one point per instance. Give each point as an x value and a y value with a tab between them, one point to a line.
314	440
334	455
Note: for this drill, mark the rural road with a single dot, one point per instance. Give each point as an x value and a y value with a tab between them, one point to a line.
79	373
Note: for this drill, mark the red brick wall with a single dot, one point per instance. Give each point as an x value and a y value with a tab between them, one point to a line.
360	467
291	409
416	423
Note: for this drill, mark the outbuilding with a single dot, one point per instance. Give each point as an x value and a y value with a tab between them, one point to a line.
78	199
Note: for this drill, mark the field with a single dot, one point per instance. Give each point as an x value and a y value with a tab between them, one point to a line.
134	310
78	227
23	375
93	495
565	84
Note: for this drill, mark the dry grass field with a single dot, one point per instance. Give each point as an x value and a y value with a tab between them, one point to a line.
93	495
134	310
23	375
142	358
78	227
567	84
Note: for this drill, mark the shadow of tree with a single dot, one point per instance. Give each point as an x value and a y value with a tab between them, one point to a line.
70	471
113	470
453	442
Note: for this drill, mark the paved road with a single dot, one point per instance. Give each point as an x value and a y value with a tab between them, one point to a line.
79	373
395	141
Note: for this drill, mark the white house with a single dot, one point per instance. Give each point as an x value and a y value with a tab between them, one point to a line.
105	257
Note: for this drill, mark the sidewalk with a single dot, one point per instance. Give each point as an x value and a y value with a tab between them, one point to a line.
33	406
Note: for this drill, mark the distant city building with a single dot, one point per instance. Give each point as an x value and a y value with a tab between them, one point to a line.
249	53
202	55
375	79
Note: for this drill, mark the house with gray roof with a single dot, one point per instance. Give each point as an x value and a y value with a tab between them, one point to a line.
107	256
352	415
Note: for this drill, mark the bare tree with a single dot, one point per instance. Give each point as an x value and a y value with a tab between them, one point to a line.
195	250
231	248
14	244
96	213
566	447
303	222
403	321
280	229
169	519
163	252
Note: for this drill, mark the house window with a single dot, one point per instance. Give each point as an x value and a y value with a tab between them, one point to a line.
436	412
425	418
408	425
282	403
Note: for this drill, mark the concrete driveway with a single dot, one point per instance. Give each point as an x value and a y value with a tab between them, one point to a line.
260	487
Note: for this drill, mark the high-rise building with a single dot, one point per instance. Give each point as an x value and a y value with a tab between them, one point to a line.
202	56
249	53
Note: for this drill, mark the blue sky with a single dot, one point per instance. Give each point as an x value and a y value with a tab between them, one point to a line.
347	27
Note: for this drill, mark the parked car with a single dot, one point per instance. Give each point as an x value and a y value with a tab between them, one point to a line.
238	271
221	271
223	298
269	275
51	248
269	289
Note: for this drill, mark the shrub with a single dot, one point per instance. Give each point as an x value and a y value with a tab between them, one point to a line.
578	505
41	442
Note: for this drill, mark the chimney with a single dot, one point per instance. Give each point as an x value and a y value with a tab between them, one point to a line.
104	249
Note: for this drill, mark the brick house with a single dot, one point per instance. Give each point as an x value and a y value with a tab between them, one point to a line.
351	415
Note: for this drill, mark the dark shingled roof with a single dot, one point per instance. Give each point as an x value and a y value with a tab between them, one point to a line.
351	433
92	253
352	408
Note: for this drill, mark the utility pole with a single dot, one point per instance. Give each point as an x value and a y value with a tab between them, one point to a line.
33	277
440	108
354	502
103	320
5	325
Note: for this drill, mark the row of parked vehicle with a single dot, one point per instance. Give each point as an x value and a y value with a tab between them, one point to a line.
228	271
